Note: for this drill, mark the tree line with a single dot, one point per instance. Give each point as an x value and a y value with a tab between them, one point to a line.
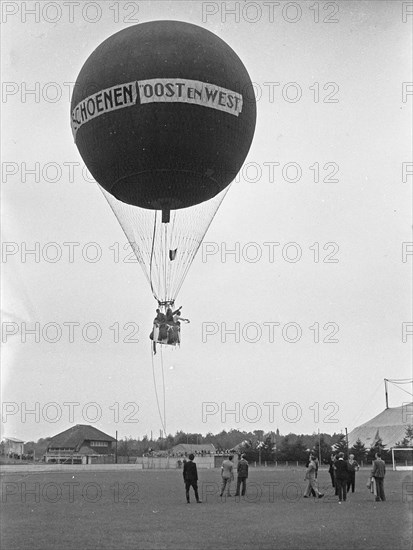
257	445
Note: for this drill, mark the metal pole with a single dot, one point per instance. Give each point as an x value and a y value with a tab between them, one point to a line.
319	447
116	447
347	442
385	392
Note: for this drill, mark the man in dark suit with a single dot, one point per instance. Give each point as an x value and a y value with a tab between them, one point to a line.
190	474
331	470
378	472
341	469
242	470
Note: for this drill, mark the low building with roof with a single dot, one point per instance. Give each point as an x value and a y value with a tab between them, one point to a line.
81	444
13	448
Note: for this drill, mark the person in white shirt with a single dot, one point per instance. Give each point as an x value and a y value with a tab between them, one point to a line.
227	475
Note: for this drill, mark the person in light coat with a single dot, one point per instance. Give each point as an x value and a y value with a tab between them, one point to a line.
310	477
227	475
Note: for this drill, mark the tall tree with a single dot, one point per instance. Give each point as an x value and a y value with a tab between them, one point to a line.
378	447
299	450
340	445
359	451
125	446
407	440
283	453
293	448
180	437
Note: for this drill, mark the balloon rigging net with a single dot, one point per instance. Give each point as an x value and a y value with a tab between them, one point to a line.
165	251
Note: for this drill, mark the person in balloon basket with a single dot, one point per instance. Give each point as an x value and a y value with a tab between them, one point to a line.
178	318
157	323
170	314
242	471
165	327
378	472
170	326
190	474
177	326
173	324
341	469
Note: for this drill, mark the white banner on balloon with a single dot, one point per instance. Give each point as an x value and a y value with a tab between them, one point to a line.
155	90
105	101
181	90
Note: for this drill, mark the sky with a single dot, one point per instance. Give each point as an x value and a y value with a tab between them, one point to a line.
297	334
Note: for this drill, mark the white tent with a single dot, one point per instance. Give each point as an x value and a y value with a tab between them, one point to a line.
390	426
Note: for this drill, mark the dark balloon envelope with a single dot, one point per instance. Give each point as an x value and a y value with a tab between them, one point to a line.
163	114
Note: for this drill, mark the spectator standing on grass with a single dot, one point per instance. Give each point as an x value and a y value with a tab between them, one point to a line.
190	474
310	477
341	469
331	470
242	471
316	465
312	492
227	475
378	472
353	467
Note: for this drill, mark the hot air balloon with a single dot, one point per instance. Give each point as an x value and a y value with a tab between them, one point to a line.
163	114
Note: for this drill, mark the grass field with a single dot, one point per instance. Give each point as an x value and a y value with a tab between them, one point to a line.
147	510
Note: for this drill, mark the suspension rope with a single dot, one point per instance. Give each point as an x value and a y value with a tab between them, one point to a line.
401	381
165	255
152	251
369	400
405	391
153	241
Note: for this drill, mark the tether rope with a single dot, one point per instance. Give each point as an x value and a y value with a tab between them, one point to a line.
164	394
156	391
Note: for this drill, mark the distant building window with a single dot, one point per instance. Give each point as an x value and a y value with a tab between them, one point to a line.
99	443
